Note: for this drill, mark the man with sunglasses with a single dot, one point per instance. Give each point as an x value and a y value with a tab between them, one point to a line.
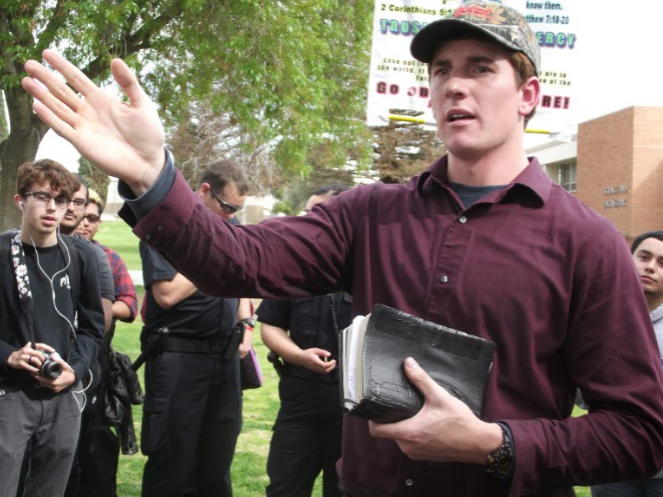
49	304
193	401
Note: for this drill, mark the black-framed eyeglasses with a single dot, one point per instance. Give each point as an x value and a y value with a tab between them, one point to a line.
79	203
229	208
45	198
92	218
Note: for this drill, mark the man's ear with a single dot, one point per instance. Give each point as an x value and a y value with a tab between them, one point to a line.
18	200
203	190
530	93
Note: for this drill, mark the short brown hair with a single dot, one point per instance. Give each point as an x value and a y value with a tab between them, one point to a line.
524	70
221	173
46	171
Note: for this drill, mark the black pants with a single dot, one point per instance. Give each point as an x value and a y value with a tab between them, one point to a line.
94	472
306	439
192	416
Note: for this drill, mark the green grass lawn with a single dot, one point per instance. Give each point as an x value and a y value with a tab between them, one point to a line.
260	405
118	236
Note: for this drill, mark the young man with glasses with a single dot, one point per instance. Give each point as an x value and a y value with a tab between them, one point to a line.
49	304
73	216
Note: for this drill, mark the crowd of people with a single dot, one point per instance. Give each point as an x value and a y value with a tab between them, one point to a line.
482	241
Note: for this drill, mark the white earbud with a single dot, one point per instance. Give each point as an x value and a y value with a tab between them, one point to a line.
20	206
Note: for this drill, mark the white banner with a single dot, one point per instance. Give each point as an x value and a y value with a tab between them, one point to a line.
553	23
399	82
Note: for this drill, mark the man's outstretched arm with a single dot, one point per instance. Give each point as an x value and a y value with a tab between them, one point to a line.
123	139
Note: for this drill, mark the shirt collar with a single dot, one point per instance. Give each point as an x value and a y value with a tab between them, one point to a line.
533	178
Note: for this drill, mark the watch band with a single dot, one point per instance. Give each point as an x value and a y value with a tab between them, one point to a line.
499	461
250	322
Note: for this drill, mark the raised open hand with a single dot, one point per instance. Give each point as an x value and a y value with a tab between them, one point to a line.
124	140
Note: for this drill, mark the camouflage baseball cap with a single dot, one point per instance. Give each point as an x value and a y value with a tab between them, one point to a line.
503	24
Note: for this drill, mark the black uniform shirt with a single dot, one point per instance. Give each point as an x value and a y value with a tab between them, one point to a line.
310	320
200	315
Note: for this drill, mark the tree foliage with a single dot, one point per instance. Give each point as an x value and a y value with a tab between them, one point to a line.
96	179
292	73
403	150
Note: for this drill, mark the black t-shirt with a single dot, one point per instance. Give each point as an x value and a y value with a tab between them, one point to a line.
199	316
50	328
310	320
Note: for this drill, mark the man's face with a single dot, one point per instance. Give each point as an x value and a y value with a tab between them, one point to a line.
476	102
223	203
39	216
75	211
648	258
89	226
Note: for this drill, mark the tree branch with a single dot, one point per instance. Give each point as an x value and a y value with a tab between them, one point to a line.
130	44
48	35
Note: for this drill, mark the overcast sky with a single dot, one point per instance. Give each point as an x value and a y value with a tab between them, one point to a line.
621	64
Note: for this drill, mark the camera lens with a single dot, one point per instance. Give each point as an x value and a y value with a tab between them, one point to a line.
51	369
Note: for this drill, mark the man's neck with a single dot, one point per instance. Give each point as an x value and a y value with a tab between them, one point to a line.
498	167
653	301
36	238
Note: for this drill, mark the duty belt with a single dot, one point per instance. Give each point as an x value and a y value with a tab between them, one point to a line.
301	372
194	345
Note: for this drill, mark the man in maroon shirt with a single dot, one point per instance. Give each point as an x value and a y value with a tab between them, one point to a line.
482	242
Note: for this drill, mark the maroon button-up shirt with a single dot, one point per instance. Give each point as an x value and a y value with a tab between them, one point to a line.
529	267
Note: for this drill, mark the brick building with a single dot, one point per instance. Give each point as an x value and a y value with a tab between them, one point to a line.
615	166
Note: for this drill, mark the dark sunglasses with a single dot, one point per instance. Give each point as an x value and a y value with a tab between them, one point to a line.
229	208
91	218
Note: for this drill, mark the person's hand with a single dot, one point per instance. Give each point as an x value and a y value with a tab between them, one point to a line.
445	430
124	140
245	346
67	378
28	358
314	360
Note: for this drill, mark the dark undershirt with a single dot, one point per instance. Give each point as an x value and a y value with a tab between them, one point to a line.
471	194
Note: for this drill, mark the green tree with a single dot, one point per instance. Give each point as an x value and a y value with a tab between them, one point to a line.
292	73
96	179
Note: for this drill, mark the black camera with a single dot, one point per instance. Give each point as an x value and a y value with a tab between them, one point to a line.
49	368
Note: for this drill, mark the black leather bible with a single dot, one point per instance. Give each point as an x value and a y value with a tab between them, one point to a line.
372	351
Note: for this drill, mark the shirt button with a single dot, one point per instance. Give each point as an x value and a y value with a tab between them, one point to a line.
409	482
444	279
463	219
148	237
159	228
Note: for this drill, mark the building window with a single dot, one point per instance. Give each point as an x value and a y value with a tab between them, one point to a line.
567	177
